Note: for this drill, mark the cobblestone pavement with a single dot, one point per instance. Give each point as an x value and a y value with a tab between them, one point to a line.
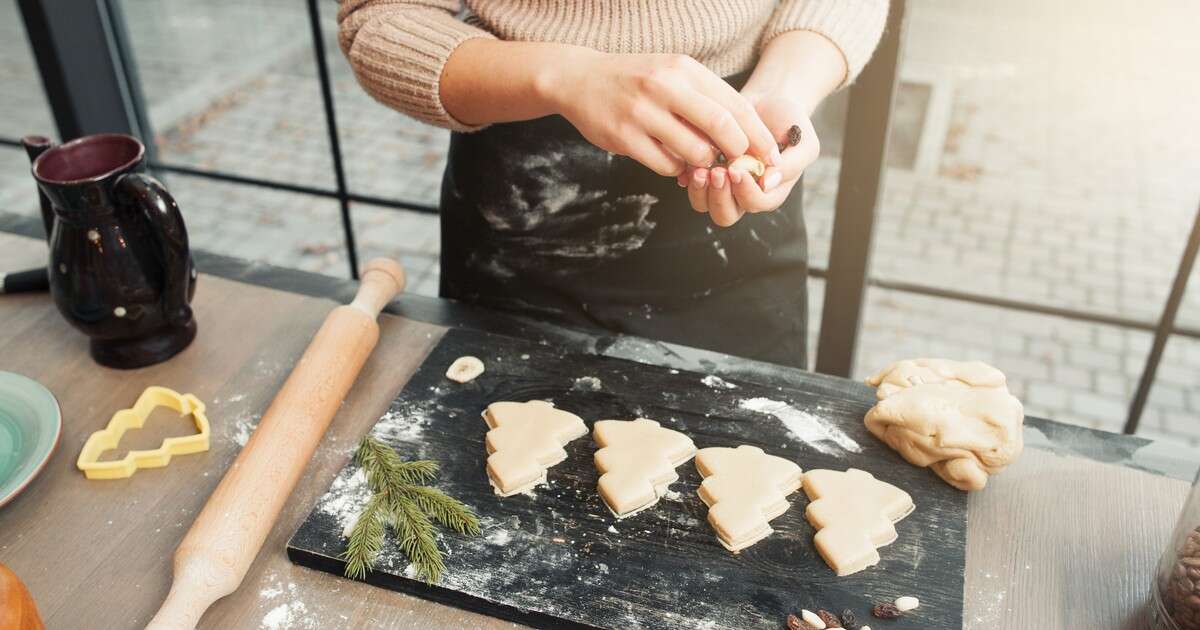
1057	164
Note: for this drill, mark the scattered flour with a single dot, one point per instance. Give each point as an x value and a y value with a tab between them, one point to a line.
243	427
288	616
588	383
716	382
292	613
499	537
613	530
345	499
805	426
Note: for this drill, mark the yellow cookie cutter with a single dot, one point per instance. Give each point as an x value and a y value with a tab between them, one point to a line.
125	419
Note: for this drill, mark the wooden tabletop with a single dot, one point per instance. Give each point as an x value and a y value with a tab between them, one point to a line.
1066	538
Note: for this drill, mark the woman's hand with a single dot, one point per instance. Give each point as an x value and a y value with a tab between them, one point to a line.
665	111
727	194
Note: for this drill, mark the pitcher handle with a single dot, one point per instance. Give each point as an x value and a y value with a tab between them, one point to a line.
157	205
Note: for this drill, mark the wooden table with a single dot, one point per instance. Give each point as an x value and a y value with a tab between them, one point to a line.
1066	538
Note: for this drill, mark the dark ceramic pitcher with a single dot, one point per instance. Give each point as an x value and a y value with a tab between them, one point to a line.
120	269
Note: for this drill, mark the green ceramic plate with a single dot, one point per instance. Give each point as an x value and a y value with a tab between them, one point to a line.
30	423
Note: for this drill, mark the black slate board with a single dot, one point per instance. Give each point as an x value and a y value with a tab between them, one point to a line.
558	558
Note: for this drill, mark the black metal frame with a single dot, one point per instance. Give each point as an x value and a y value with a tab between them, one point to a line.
91	82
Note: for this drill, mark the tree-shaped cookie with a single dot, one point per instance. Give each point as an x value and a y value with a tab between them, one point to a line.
854	514
637	460
744	488
524	441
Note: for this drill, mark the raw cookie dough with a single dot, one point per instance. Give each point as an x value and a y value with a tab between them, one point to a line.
524	441
464	369
637	460
744	488
854	514
957	418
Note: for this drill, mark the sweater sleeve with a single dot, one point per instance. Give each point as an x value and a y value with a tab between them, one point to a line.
854	26
398	48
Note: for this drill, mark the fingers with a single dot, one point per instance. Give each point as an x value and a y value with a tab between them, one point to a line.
721	206
697	189
795	159
760	141
711	119
750	197
679	138
650	153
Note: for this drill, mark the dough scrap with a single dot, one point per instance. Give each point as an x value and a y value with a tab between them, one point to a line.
637	461
526	439
464	369
854	514
957	418
744	489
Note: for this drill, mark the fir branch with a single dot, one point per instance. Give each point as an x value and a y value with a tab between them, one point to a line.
401	500
385	467
444	509
415	532
366	538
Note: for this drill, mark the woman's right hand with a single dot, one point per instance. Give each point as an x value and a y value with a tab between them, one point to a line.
665	111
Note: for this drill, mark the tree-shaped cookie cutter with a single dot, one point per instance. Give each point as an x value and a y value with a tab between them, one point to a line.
134	418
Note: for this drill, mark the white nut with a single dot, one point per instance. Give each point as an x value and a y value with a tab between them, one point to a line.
812	619
864	628
464	369
907	603
748	164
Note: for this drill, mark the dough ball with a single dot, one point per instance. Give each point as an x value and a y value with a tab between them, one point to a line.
957	418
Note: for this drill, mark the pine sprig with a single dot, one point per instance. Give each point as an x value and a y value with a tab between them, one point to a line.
443	509
401	499
366	538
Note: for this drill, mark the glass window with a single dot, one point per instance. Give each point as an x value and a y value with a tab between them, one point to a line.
1046	157
231	86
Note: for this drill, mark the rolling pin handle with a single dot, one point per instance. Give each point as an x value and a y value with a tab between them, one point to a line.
382	280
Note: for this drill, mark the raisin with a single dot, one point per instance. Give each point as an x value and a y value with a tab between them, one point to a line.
849	622
830	619
886	611
794	134
794	623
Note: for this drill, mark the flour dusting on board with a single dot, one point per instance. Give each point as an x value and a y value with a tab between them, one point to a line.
587	383
716	382
346	498
804	426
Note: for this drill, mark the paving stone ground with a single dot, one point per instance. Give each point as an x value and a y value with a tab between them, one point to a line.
1061	169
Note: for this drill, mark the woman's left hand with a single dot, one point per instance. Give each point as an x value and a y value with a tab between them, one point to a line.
727	195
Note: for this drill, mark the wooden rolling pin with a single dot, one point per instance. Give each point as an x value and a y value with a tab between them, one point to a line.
227	535
17	610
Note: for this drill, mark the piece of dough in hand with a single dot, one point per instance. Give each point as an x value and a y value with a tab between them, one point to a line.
748	164
957	418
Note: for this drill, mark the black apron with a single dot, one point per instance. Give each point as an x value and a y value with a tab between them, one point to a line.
537	220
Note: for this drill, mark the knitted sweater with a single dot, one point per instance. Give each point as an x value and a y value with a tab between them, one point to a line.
398	48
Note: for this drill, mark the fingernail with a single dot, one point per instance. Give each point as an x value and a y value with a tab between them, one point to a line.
735	177
700	177
775	157
718	180
772	180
